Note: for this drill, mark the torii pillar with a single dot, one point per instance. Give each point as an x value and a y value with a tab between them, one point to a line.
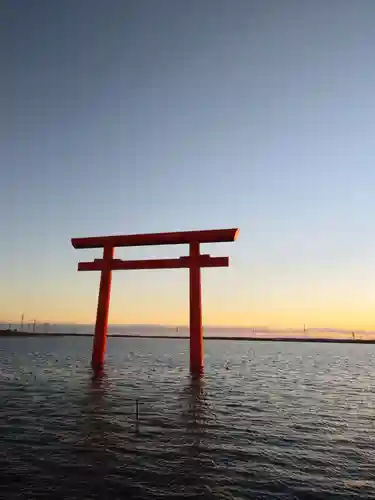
102	313
195	312
194	262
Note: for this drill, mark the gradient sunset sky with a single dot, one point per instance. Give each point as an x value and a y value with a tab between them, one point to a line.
144	116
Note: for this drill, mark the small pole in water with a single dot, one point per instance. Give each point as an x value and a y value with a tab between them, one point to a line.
137	414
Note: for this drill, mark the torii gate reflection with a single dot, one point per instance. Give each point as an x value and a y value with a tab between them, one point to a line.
194	262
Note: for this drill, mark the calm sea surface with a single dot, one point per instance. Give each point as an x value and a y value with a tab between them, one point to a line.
269	420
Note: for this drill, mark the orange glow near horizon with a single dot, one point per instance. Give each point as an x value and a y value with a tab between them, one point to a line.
161	311
266	293
156	298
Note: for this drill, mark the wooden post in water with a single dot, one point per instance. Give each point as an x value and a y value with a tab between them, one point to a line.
101	325
196	332
137	415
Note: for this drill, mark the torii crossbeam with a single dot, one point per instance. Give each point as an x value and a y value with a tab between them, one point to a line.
194	262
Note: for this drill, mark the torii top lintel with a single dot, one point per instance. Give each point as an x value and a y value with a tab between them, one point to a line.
176	238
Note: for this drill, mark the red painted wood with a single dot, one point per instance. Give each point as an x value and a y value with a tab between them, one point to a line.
101	325
194	262
196	331
177	238
182	263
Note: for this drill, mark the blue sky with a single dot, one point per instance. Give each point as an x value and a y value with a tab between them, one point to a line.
141	116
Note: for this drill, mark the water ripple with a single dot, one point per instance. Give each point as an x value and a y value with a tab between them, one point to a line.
267	421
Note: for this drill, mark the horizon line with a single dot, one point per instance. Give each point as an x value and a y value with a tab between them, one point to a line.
165	325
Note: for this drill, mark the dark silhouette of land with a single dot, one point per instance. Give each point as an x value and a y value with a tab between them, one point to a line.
15	333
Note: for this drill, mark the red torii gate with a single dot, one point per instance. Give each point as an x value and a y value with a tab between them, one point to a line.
194	262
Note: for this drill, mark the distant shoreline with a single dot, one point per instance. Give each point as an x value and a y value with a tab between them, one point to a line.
12	334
